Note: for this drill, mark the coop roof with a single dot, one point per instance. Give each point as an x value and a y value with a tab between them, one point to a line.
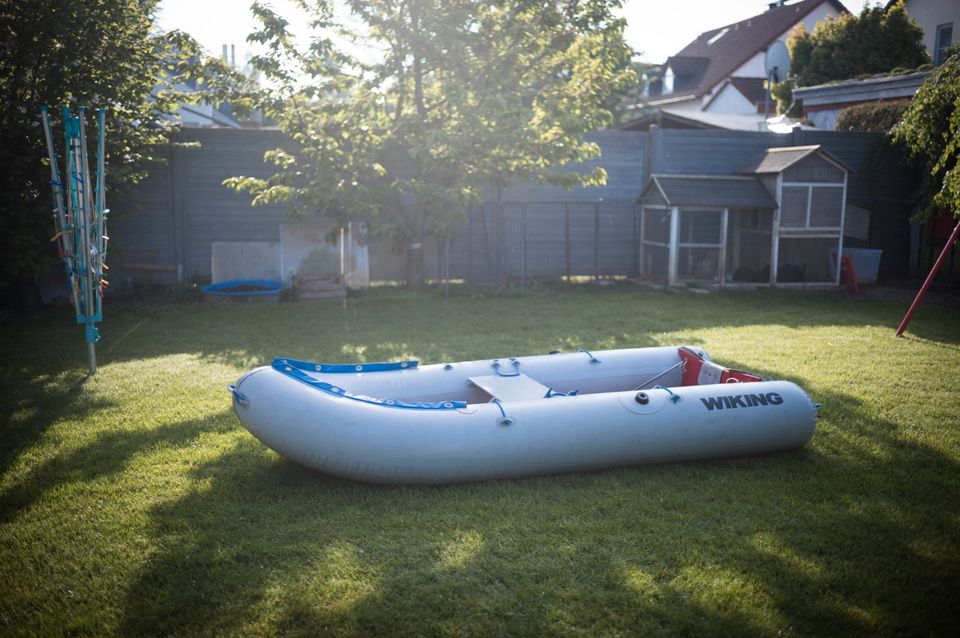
722	191
779	159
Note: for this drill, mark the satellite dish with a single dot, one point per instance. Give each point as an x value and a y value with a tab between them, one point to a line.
777	61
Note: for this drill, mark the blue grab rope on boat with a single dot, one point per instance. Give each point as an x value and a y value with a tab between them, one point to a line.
593	359
341	368
297	370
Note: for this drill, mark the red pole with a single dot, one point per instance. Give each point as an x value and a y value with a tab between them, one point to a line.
929	280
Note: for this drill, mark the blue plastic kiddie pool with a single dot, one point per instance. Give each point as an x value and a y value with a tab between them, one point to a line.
244	289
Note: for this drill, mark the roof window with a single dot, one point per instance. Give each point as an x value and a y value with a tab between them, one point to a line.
722	33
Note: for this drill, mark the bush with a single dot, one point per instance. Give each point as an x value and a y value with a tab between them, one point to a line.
877	117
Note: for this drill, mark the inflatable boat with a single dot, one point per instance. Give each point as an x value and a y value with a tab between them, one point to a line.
402	422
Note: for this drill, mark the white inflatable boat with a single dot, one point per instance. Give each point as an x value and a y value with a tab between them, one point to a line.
406	423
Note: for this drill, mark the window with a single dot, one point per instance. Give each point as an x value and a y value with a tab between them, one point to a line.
698	254
793	208
826	207
656	226
942	42
722	33
811	207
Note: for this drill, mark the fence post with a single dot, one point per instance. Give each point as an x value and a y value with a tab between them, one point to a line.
446	267
641	258
722	266
673	250
178	195
523	250
470	216
596	241
636	251
498	232
566	237
349	247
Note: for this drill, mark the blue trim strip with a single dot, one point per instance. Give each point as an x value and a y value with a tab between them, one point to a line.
287	367
341	368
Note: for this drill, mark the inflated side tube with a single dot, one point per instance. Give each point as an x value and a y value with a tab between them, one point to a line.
367	441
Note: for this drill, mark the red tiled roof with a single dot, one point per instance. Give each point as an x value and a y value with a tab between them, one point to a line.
741	41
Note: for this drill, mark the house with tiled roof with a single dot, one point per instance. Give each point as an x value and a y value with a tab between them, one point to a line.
823	103
722	70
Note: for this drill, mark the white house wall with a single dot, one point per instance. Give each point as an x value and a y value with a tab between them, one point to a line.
752	68
730	100
931	13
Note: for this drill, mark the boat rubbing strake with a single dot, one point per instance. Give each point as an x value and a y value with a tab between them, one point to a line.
406	423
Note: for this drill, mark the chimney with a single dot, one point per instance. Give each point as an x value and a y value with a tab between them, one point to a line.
225	58
233	57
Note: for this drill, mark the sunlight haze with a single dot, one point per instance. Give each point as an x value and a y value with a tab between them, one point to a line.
654	28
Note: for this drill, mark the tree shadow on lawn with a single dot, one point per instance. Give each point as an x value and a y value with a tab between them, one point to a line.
856	533
105	456
38	399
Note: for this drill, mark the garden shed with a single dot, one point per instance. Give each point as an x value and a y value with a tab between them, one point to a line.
778	221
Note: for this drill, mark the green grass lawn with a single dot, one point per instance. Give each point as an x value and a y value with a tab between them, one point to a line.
135	503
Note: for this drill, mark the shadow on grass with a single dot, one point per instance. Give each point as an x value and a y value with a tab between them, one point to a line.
105	456
856	534
37	398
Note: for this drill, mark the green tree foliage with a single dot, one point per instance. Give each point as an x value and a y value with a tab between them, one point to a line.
461	97
79	53
879	40
930	129
878	117
623	103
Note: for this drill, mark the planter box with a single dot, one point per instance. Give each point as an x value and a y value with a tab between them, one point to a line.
312	288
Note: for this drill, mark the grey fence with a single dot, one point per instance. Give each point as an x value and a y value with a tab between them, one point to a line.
544	239
164	230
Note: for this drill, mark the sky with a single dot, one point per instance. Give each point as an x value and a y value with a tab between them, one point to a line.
656	28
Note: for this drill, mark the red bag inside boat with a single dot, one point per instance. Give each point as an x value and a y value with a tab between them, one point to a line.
698	371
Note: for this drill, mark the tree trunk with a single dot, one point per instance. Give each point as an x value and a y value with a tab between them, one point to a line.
415	247
415	265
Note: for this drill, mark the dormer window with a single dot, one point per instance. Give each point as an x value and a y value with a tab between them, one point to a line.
668	81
